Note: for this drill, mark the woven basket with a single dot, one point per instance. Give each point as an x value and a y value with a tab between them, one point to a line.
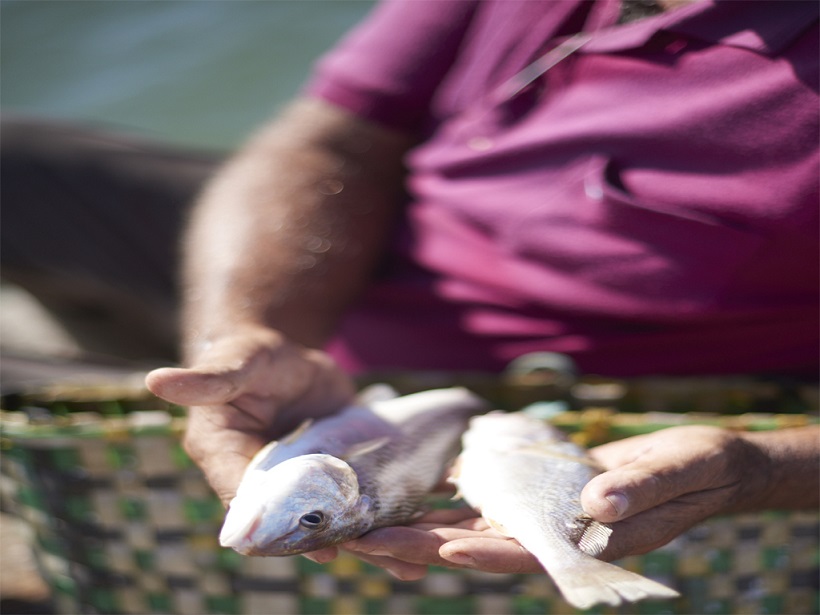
123	522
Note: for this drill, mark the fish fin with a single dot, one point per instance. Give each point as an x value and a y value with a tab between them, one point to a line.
263	452
362	448
591	536
376	393
452	477
261	455
423	510
552	454
498	527
455	471
590	581
297	433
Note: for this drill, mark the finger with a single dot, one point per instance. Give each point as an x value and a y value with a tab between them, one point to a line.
498	555
379	546
619	452
446	516
327	388
257	361
404	543
669	466
322	556
473	524
653	528
467	529
403	571
222	454
191	387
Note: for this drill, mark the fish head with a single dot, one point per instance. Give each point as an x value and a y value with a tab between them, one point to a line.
301	504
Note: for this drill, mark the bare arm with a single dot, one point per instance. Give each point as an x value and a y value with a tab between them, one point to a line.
283	240
290	231
666	482
794	477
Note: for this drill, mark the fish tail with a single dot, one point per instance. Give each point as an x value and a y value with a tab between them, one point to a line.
590	581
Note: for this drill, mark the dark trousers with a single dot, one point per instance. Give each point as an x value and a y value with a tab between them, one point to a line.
90	224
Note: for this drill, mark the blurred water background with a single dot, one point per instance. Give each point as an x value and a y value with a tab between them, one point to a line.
194	72
201	73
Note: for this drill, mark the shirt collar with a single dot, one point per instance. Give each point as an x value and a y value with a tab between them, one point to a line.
764	26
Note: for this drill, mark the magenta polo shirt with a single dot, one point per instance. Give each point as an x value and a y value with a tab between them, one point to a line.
648	205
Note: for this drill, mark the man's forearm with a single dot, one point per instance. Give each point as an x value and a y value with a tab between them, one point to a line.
289	232
793	467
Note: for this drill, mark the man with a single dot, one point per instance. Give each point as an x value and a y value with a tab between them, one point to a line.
465	182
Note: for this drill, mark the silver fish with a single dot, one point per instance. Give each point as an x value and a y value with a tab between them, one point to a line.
369	466
526	479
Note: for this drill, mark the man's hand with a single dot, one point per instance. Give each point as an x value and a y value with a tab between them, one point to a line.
458	538
656	487
661	484
244	390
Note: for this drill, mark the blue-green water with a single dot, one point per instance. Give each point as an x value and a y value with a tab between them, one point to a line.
197	72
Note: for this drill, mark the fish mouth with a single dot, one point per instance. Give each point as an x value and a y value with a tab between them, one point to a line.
288	544
242	541
238	535
268	552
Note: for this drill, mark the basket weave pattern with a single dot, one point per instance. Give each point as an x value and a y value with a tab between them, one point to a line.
123	522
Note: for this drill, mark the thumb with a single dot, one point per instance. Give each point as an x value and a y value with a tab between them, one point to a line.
667	464
618	494
649	481
192	387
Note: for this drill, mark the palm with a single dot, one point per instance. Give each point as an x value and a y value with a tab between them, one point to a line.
242	392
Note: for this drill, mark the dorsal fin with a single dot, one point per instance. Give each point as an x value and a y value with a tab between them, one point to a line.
261	455
362	448
373	393
297	433
541	451
265	451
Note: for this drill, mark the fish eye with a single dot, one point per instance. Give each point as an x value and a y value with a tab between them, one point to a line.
312	520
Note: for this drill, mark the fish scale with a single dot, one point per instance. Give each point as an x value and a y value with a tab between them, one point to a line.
526	480
384	471
371	465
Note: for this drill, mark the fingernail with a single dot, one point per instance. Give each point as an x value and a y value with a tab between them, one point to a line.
618	501
461	559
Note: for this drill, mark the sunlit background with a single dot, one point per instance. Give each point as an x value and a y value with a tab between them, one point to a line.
196	72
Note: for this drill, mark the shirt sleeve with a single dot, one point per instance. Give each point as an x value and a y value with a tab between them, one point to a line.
388	67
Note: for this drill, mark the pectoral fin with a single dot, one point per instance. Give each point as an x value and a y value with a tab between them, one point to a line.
261	456
499	527
378	392
298	432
